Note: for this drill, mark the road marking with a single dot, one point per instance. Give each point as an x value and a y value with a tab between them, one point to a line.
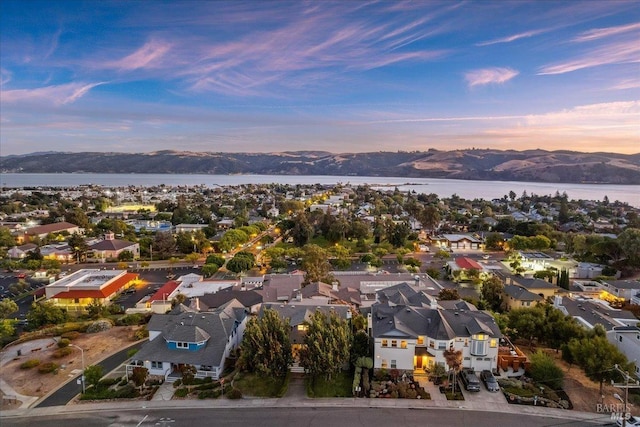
141	421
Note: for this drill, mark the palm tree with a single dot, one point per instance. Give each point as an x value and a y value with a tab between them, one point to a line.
454	361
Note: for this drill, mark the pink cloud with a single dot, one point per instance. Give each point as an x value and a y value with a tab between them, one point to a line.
56	94
148	56
485	76
599	33
611	53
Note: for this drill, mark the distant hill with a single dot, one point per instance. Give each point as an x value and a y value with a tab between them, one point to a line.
530	165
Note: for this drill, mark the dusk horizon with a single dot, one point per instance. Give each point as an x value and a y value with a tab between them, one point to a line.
341	77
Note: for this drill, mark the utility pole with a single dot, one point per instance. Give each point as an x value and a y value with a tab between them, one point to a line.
626	386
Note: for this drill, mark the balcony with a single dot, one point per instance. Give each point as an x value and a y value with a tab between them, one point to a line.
511	359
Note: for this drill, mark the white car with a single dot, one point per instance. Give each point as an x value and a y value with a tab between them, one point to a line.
631	422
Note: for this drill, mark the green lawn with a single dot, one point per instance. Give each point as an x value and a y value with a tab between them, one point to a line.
339	386
255	385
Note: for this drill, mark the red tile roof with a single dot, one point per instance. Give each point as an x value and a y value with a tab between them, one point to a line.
105	292
164	291
468	263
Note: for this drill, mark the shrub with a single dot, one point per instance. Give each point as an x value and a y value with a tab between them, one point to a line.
99	326
47	368
62	352
132	319
544	370
140	334
31	363
71	335
64	342
177	383
181	392
209	394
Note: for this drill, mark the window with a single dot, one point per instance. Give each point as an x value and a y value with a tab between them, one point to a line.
303	327
442	345
494	343
76	300
420	340
403	344
384	363
466	342
182	344
394	343
156	365
432	344
393	364
478	348
385	343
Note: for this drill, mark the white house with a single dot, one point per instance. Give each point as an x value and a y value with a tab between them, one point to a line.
414	338
627	339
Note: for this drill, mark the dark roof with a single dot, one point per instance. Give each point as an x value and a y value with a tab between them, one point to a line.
403	294
439	324
111	245
297	314
279	287
520	293
50	228
594	313
185	325
624	284
528	283
208	302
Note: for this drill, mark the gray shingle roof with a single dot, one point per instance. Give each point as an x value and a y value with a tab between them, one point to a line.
439	324
186	325
520	293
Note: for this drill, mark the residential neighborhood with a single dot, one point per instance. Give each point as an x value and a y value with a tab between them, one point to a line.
356	291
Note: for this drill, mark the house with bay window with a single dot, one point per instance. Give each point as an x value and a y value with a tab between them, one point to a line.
415	337
185	337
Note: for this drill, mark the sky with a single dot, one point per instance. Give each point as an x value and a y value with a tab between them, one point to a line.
347	76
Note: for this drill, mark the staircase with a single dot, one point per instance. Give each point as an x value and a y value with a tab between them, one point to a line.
296	368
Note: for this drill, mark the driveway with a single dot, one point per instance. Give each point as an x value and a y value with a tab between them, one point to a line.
484	398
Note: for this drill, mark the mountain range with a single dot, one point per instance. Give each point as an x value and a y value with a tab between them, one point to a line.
471	164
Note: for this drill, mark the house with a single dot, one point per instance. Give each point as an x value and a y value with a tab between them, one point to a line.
590	312
83	287
43	231
624	289
20	252
518	297
190	228
464	269
251	300
627	340
536	286
412	339
61	252
462	242
331	294
187	338
297	315
110	248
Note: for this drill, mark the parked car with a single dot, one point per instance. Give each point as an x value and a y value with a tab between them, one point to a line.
489	380
470	380
631	422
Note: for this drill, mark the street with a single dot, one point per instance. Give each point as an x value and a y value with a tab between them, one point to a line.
295	417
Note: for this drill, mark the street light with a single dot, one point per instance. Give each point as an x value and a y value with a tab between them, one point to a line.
82	356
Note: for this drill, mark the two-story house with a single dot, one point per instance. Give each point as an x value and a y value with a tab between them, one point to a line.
414	338
627	339
185	337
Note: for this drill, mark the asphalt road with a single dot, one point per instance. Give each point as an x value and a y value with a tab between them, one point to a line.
64	394
294	417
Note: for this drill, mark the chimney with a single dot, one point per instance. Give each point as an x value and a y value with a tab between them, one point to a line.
433	304
334	286
557	301
197	304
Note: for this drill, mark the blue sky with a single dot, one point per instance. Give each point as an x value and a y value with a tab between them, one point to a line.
349	76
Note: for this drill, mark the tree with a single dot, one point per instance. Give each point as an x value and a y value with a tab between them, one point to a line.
360	346
316	264
596	356
429	217
543	370
448	295
266	346
164	244
209	270
215	259
7	307
139	375
7	330
96	309
494	241
93	374
527	323
125	256
453	359
238	264
398	234
79	246
45	313
563	279
301	231
493	293
326	344
629	241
